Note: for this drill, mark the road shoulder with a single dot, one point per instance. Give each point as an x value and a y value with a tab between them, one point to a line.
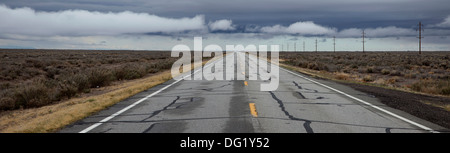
408	105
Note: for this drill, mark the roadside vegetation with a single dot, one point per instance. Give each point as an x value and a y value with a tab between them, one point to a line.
428	73
35	78
45	90
416	84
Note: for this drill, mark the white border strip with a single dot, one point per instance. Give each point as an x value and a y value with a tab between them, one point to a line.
139	101
366	103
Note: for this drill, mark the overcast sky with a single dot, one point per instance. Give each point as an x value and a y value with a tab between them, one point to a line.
161	24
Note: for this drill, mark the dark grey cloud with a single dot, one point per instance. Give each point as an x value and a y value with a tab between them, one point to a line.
334	13
26	21
341	18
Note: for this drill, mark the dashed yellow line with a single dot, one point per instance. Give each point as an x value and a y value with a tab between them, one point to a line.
253	109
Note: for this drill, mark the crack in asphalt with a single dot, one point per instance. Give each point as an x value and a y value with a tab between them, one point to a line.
149	128
298	86
168	107
159	111
301	95
320	97
315	91
210	89
184	103
105	131
243	117
306	125
388	130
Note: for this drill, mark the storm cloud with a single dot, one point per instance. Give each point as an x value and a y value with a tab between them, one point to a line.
342	14
31	23
26	21
78	22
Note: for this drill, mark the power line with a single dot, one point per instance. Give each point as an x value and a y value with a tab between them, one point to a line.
316	45
420	36
363	36
334	43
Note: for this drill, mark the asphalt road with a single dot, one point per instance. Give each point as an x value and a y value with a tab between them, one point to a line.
299	105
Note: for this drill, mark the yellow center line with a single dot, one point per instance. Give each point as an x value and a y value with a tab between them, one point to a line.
253	109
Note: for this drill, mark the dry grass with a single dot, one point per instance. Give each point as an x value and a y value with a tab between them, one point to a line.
342	76
35	78
351	78
50	117
428	73
53	117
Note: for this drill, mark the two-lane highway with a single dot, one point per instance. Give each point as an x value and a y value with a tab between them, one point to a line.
299	105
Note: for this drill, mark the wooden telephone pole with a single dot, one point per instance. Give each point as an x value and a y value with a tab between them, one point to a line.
316	45
420	36
363	41
334	43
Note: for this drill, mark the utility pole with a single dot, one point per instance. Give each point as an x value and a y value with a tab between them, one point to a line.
316	45
363	36
334	43
420	36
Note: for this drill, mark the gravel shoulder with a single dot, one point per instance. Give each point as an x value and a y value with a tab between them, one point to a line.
422	106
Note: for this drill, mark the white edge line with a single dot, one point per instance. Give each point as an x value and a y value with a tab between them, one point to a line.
345	94
137	102
366	103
